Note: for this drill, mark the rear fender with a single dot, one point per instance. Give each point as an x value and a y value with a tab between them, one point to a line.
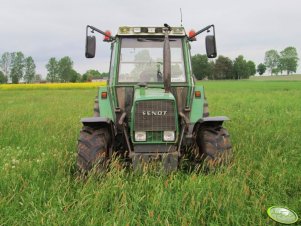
217	119
100	122
202	122
210	121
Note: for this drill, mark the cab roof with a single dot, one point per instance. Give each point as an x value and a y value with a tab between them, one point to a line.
151	30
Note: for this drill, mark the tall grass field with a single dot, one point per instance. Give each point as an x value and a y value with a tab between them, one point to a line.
39	185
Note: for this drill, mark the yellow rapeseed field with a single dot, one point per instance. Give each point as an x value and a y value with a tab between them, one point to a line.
52	86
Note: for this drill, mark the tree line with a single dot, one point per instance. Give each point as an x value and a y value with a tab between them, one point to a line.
222	68
240	68
62	71
15	67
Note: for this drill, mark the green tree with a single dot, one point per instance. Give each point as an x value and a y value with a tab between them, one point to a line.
64	68
261	68
211	69
17	66
271	59
104	75
74	76
280	66
52	68
30	70
84	78
200	66
275	71
223	68
240	68
251	68
3	78
90	74
37	78
289	59
5	64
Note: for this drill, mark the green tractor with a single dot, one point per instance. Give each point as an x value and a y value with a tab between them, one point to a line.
152	108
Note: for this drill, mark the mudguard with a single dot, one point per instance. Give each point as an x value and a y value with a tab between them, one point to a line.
96	122
218	120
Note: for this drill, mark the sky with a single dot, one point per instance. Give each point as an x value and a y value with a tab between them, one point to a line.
56	28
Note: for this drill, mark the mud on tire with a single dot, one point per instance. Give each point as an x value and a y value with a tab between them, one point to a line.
214	146
92	148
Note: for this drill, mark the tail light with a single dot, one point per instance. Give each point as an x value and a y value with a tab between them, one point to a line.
197	94
104	95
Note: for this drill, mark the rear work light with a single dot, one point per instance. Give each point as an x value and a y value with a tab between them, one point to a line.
144	30
137	29
151	30
124	30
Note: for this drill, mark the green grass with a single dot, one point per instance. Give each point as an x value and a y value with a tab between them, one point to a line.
38	135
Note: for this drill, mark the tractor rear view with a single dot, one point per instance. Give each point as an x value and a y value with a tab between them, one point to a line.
151	107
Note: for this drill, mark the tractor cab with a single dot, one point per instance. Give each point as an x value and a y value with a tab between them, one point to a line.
138	81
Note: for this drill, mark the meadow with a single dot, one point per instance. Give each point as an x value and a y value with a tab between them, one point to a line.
39	185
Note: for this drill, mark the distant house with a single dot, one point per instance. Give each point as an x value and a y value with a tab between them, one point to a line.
99	80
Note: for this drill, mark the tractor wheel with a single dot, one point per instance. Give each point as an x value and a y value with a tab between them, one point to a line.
96	107
214	146
92	148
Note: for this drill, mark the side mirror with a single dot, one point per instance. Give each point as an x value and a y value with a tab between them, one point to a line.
211	46
90	46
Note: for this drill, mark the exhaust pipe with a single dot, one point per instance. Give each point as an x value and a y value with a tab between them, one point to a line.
166	59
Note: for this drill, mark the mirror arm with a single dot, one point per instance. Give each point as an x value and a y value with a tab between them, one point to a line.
201	31
99	31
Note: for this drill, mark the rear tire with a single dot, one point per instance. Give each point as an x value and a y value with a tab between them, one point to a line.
214	146
92	148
